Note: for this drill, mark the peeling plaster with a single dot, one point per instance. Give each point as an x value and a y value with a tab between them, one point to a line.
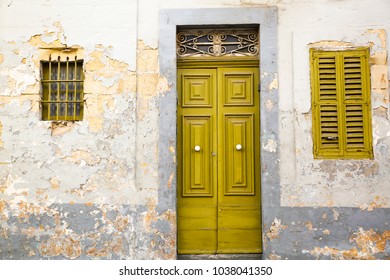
368	243
332	45
378	39
61	127
274	84
93	231
336	214
105	77
166	235
1	130
377	203
274	257
81	156
309	225
270	146
64	165
379	77
46	40
276	228
18	80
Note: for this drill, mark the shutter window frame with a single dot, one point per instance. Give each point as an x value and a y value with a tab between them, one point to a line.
341	109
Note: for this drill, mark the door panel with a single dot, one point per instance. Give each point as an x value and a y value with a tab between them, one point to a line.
197	230
239	230
238	85
197	156
218	161
239	156
199	89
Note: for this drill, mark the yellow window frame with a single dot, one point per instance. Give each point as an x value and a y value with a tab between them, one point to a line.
341	107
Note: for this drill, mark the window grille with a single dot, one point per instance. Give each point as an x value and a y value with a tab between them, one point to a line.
62	90
217	42
340	82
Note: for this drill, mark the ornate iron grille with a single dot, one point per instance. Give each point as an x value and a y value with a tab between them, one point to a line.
215	43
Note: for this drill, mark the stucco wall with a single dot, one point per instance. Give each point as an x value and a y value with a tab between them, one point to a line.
86	189
105	187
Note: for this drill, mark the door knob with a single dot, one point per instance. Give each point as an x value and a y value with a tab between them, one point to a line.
238	147
197	148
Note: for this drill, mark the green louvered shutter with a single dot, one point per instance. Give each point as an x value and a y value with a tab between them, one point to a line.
341	104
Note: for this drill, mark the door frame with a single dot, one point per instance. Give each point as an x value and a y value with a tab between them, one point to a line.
266	18
222	63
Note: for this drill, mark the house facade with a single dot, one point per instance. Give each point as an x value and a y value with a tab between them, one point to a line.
160	128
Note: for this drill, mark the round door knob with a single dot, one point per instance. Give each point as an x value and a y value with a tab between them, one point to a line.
197	148
238	147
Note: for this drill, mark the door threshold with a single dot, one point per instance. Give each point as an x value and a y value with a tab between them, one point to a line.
221	257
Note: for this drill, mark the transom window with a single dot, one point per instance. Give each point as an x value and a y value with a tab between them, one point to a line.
215	42
62	89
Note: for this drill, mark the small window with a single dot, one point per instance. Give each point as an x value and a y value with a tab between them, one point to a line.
340	85
62	90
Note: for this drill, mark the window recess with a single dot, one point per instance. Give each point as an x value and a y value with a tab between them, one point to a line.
62	84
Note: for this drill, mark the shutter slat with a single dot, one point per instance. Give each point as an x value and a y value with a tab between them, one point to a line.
327	86
327	59
352	65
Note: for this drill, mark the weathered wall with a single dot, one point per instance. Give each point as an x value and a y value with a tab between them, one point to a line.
86	189
335	209
343	183
105	187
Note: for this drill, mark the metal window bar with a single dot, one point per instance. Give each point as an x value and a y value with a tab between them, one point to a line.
62	85
75	89
49	86
58	85
67	86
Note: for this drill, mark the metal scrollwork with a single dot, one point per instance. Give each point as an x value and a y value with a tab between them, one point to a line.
216	43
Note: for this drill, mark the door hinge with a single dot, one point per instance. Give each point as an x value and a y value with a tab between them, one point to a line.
258	87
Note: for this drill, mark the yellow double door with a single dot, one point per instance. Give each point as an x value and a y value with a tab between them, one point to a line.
218	190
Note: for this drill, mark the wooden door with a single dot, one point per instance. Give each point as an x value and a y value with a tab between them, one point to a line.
218	194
